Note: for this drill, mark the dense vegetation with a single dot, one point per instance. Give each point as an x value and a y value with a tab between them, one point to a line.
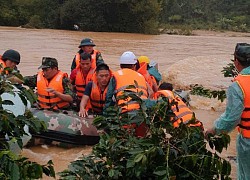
13	165
165	153
143	16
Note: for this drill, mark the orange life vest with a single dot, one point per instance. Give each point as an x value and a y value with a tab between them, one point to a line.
244	126
3	64
124	78
97	97
93	59
82	81
182	112
48	100
149	79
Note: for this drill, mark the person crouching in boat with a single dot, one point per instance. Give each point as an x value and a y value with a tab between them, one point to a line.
81	76
181	110
53	86
96	91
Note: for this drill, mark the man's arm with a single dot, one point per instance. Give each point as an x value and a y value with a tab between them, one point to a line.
232	115
30	81
110	94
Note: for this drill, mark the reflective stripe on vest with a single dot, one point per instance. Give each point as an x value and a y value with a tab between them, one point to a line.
124	78
48	100
244	126
182	112
82	81
93	59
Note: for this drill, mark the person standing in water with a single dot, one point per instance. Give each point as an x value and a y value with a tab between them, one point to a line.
237	111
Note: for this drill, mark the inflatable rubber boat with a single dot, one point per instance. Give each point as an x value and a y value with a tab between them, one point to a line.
67	127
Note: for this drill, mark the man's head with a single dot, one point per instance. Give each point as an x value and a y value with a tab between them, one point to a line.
87	45
166	86
103	75
11	58
242	55
128	60
49	67
85	63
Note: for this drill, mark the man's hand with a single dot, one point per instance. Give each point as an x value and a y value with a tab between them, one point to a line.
83	112
210	131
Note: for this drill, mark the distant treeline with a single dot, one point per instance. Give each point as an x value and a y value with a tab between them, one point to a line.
139	16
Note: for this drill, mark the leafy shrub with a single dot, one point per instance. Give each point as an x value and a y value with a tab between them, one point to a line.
165	153
13	166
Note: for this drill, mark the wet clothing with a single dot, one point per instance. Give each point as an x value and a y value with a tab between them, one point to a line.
230	119
98	58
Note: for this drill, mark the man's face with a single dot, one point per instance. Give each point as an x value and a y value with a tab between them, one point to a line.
87	49
103	77
49	73
85	65
10	64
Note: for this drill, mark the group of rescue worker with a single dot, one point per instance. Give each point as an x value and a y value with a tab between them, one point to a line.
93	87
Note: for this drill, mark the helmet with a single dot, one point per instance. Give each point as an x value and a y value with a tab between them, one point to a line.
128	57
144	59
11	55
86	42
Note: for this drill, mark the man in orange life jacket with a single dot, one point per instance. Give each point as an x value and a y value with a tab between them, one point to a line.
96	91
119	82
237	112
81	76
181	111
53	86
87	46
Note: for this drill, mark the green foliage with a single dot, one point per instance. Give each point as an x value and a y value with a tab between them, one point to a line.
14	166
230	70
201	91
165	153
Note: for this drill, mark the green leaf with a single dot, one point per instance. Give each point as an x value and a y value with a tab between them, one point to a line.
138	158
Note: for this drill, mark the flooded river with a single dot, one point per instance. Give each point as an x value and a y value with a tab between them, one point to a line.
183	60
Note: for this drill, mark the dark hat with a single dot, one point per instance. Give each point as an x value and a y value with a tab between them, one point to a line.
242	52
86	42
48	62
11	55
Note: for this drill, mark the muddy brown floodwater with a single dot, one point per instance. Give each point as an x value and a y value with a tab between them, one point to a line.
183	60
